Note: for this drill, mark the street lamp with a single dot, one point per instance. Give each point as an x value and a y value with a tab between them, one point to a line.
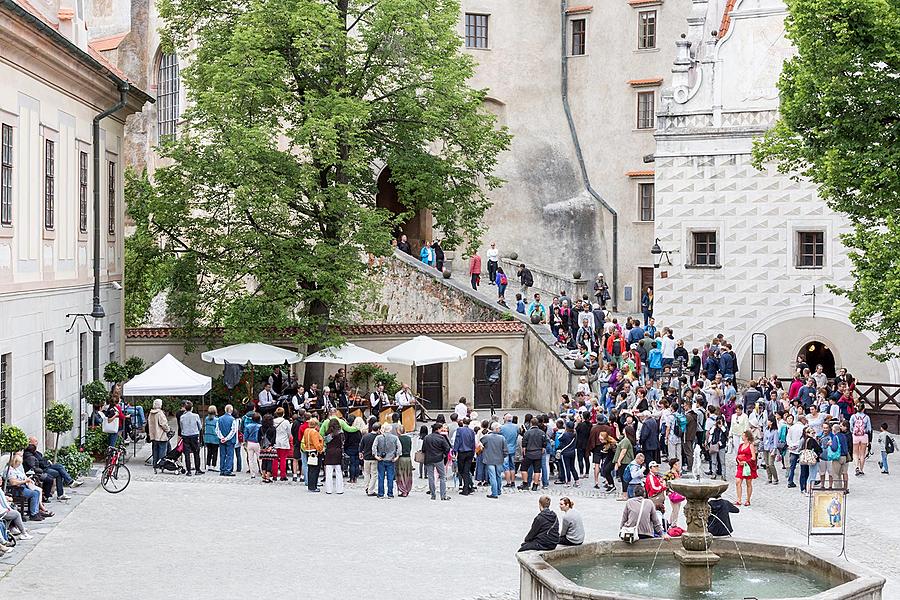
658	254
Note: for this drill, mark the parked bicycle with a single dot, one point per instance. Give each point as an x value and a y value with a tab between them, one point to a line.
116	475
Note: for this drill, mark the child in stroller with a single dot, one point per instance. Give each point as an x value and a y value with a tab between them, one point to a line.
171	463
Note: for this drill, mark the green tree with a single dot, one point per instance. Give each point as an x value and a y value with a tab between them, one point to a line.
59	420
268	205
840	128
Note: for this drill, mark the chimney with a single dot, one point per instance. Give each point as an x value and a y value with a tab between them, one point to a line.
72	22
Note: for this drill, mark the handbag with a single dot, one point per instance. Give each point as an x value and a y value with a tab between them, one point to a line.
312	458
675	497
629	534
110	426
419	457
745	472
713	448
808	457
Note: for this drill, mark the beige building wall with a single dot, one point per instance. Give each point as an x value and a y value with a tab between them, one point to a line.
53	86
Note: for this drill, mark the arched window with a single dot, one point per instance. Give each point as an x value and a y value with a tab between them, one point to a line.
167	95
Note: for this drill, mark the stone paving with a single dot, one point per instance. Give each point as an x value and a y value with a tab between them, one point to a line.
170	536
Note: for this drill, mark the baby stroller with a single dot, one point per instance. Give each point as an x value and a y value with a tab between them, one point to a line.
170	463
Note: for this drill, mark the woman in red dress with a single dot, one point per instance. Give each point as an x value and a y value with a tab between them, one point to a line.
746	456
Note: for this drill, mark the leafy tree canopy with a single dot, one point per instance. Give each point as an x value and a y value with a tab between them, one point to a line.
268	202
840	127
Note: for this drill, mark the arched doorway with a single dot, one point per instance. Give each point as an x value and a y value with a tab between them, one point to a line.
418	228
817	353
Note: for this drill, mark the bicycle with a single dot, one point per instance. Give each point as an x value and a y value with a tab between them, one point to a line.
116	475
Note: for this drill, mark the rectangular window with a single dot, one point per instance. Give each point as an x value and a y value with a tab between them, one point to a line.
82	191
5	366
112	342
6	154
646	197
578	36
111	197
48	350
49	182
646	29
811	249
705	248
645	101
476	30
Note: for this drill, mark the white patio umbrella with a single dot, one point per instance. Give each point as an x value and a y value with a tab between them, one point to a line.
253	353
346	354
423	350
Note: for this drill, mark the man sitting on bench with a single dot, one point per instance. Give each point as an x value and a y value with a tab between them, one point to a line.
46	472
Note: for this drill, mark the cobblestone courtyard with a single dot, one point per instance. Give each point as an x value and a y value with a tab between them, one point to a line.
212	537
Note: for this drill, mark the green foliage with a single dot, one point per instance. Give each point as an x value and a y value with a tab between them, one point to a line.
59	418
367	376
507	316
147	266
12	439
96	442
76	462
95	392
115	373
267	202
839	127
135	365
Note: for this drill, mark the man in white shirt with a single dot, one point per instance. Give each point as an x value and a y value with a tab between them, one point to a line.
404	397
461	410
266	399
493	258
668	347
311	397
378	399
820	377
794	439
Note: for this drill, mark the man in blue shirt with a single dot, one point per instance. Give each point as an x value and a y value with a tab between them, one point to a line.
464	449
226	430
537	307
635	334
807	393
510	433
654	361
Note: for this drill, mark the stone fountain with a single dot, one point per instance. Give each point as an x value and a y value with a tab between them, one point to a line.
694	556
691	567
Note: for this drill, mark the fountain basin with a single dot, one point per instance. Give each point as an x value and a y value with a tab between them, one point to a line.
768	566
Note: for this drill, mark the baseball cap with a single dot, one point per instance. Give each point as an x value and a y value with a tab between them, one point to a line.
653	463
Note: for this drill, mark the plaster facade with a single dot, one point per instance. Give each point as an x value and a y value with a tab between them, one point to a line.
724	95
53	88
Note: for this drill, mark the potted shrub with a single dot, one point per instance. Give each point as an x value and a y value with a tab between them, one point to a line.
115	373
12	440
95	393
59	420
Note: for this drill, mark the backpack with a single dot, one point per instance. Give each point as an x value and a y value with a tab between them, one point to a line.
626	477
888	444
680	423
503	279
617	347
859	426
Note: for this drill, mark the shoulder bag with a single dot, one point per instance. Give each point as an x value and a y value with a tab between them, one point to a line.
628	533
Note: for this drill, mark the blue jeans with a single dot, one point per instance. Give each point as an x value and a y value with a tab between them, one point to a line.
480	475
226	458
495	475
237	457
793	467
631	488
304	465
354	470
34	500
510	462
545	471
159	451
884	463
386	469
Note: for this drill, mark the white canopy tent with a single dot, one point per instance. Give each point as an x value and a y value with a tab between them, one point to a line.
346	354
253	353
168	377
423	350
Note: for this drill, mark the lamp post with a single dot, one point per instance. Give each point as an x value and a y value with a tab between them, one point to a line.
658	254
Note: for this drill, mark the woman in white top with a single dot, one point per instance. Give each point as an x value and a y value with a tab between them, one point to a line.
282	444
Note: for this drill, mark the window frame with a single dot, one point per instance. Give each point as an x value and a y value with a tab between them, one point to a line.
801	244
480	24
647	29
641	186
83	178
580	36
111	186
49	184
646	119
6	175
168	90
695	243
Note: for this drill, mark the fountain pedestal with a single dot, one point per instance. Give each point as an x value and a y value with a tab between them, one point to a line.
695	560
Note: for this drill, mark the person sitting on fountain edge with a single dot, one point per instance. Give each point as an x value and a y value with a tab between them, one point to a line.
544	532
641	513
719	521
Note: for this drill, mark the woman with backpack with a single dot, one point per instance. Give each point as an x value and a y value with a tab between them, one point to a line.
502	281
860	429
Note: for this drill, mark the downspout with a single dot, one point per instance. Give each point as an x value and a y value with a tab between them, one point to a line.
564	88
97	311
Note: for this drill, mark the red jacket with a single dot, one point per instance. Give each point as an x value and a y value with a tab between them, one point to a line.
475	265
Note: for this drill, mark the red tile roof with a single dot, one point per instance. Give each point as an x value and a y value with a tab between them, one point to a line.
644	173
726	19
107	43
579	9
645	82
642	2
480	328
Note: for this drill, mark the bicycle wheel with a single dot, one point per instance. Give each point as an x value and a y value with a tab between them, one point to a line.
115	479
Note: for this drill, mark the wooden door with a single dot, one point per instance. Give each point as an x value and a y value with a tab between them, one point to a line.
646	280
487	393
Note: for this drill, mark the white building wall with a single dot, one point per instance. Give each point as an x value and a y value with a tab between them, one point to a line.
45	274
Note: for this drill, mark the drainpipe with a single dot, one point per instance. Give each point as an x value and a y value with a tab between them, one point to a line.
564	88
97	310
